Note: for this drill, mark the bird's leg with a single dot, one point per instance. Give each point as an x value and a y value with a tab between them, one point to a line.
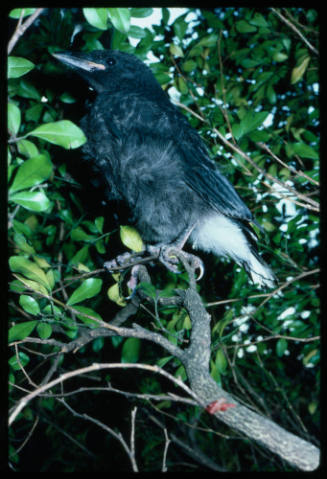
170	260
123	260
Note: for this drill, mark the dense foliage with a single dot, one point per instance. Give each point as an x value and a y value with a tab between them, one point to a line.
248	81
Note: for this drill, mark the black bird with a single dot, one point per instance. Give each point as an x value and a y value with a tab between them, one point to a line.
153	160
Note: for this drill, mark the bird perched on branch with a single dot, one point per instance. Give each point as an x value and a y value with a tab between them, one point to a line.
152	159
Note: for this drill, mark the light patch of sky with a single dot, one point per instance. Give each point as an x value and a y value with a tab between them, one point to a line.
155	19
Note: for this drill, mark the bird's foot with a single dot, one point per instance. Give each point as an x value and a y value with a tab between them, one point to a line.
122	262
170	255
134	278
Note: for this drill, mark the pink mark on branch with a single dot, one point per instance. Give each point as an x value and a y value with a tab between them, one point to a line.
219	405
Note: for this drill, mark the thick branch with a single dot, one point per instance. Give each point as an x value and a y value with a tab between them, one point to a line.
291	448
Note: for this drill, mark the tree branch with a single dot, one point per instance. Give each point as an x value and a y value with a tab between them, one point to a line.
196	358
296	30
22	27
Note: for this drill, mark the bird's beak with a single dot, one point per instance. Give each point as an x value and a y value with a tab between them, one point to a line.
75	61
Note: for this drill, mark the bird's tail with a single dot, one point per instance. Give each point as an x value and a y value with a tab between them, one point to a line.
259	271
225	237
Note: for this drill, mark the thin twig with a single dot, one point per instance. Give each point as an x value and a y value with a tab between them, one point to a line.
94	367
29	435
132	440
22	27
263	146
164	457
296	30
108	429
222	87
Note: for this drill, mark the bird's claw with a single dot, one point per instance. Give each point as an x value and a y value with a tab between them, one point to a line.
170	256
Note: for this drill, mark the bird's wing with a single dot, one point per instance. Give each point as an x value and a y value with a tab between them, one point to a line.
203	176
216	190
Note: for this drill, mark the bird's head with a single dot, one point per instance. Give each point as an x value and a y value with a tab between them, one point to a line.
111	71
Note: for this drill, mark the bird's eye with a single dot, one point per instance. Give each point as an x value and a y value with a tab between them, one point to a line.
111	61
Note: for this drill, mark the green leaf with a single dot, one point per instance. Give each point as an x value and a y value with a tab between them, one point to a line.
182	86
258	20
78	234
22	244
221	361
21	330
34	112
187	324
19	264
89	312
136	32
162	78
97	17
253	120
44	330
28	90
312	357
63	133
120	18
312	407
141	12
305	151
17	364
90	287
189	65
298	71
148	288
271	95
268	226
131	238
27	148
244	27
99	223
180	27
163	361
280	57
214	372
208	41
181	373
31	173
176	50
115	296
18	66
29	304
250	62
281	347
97	344
249	122
131	350
24	12
31	200
14	118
